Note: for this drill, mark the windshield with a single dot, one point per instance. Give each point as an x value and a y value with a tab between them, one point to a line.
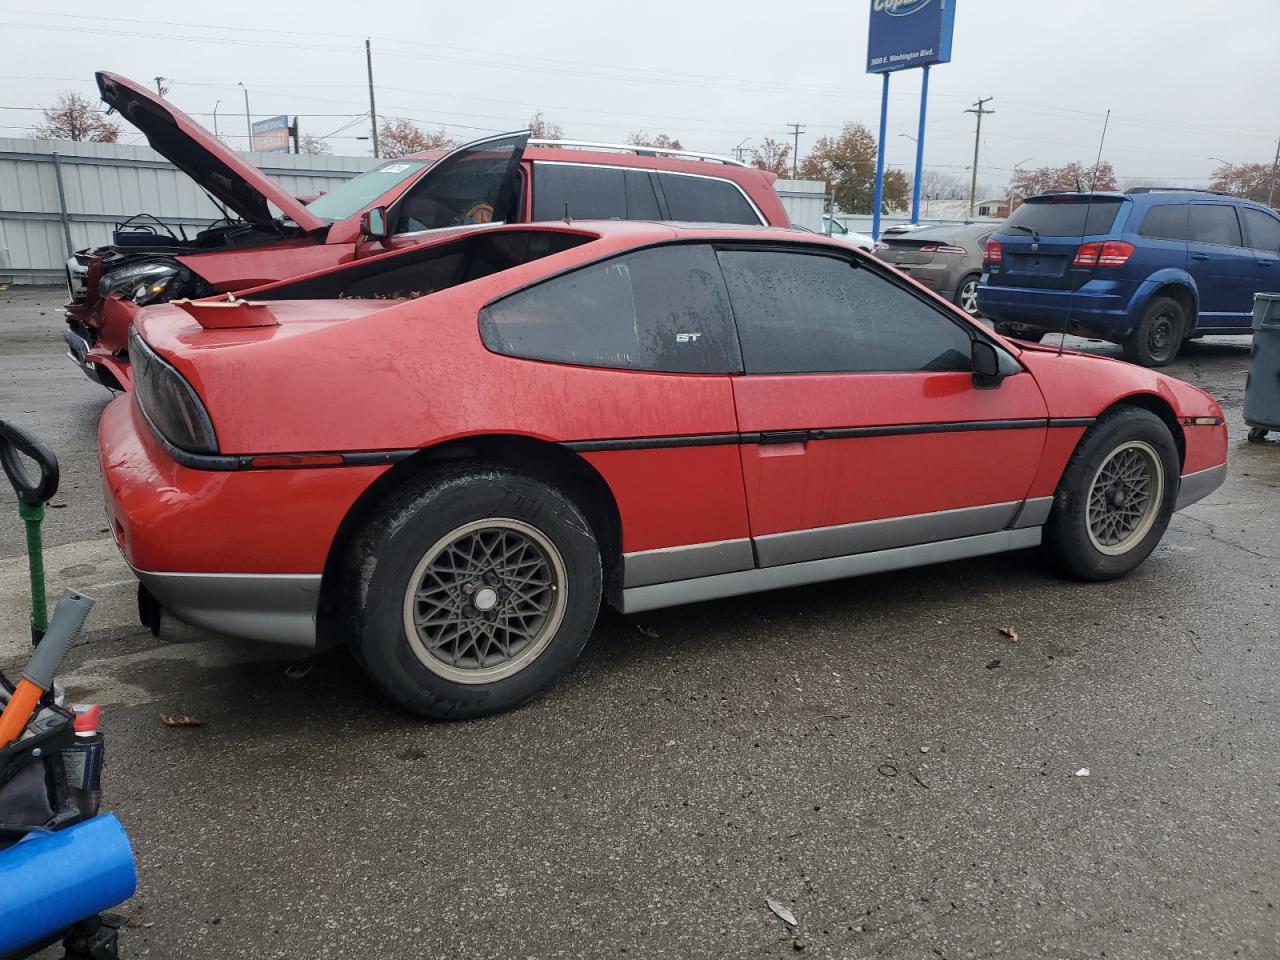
357	193
1065	216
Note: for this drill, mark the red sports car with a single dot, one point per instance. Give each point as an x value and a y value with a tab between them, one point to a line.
267	234
448	456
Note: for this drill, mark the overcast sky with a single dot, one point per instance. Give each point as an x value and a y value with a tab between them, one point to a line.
1186	80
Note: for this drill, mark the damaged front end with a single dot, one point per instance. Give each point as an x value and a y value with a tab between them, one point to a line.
106	287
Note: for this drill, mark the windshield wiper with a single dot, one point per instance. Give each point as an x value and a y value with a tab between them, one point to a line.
1035	237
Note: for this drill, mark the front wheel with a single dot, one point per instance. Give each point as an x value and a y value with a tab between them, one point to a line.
1156	339
1115	497
471	591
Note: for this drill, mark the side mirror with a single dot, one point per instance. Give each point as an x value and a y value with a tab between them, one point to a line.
373	223
986	364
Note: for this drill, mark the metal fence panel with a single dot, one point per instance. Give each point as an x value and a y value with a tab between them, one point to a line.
105	183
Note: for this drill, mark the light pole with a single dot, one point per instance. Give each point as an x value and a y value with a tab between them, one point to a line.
248	124
215	119
1011	179
740	148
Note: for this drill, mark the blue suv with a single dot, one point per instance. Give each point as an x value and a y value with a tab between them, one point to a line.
1149	268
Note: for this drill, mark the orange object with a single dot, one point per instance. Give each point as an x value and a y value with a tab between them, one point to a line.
21	706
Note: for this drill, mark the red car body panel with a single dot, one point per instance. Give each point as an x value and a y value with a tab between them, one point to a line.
366	375
294	513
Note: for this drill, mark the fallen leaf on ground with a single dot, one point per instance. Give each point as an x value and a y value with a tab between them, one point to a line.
786	915
180	720
1010	632
296	671
993	664
1082	772
647	631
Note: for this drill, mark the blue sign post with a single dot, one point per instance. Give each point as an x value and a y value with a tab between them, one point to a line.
906	34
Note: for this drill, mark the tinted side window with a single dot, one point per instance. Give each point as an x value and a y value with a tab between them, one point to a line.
592	193
705	200
662	309
807	313
1165	222
1214	223
1264	230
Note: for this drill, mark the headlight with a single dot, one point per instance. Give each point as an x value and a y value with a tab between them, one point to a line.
170	403
144	283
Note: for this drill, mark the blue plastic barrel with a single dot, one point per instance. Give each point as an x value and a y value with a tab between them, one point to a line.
49	881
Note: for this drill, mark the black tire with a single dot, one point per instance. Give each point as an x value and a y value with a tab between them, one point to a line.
1079	548
1159	335
1257	434
1031	336
966	297
402	537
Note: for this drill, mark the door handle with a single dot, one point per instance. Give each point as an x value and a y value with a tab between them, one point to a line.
1199	256
784	436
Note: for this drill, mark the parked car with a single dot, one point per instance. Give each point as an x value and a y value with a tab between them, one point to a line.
1149	268
268	234
449	456
838	231
946	259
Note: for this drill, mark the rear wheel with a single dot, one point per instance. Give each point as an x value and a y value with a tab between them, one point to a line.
1159	334
1115	497
471	591
967	294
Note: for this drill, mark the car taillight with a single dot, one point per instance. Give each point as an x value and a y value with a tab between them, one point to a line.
992	252
169	403
1108	253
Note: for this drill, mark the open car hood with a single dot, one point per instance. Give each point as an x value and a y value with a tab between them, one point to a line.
233	181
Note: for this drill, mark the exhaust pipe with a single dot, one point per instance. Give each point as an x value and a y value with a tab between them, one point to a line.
50	881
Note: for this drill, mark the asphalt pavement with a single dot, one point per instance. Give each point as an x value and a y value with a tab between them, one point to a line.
873	755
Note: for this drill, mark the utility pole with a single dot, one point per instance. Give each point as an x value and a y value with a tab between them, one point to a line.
160	87
373	110
981	111
740	149
1275	167
215	119
796	130
248	124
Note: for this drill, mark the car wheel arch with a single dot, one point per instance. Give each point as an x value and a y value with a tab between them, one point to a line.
542	459
1175	284
1162	409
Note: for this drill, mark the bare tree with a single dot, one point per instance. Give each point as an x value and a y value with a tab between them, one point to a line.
541	128
1256	181
1072	176
399	138
643	138
774	156
314	146
75	117
937	185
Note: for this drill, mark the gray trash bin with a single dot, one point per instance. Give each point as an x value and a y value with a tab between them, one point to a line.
1262	389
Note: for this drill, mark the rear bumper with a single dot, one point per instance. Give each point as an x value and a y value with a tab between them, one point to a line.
279	608
242	551
1099	308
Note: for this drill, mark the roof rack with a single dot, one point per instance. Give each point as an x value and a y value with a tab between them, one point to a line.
639	150
1216	193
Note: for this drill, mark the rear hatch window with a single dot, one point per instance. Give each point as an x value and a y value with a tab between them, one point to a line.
1041	238
1069	216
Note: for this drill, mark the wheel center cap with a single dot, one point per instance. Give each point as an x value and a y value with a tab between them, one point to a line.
486	598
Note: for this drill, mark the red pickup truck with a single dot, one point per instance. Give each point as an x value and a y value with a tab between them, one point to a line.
268	234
